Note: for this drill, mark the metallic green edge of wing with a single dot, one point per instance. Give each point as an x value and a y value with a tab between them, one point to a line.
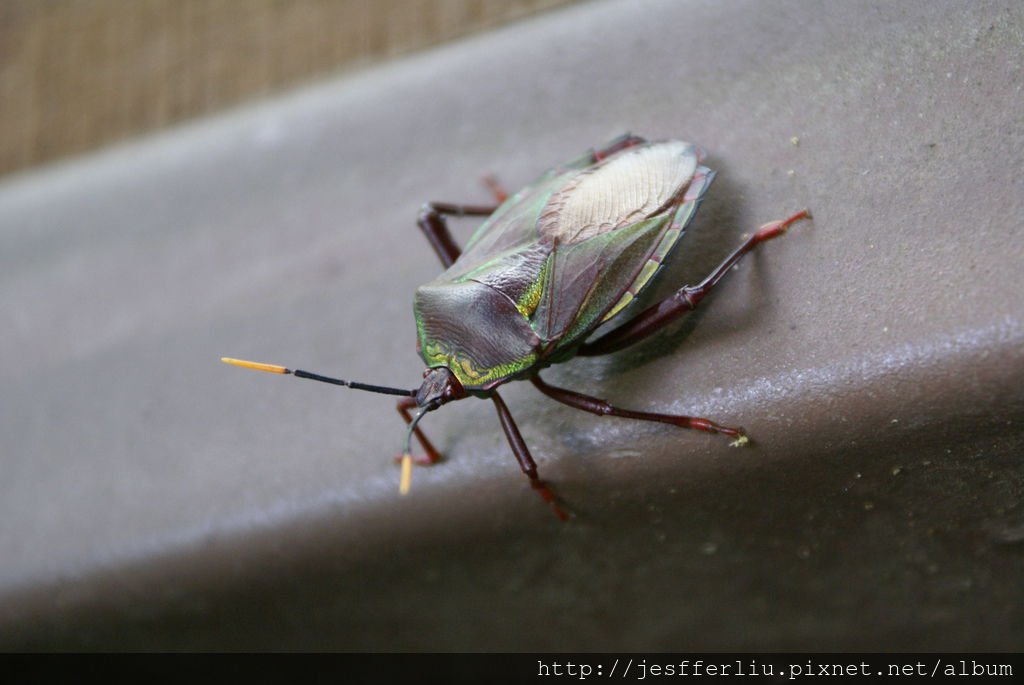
683	216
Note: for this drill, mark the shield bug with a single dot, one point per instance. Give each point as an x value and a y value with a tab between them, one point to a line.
563	256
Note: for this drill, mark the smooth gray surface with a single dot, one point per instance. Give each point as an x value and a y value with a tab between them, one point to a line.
154	498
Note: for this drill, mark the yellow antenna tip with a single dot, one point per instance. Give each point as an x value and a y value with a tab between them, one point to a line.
406	480
256	366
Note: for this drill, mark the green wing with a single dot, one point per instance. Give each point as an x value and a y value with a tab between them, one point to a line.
702	179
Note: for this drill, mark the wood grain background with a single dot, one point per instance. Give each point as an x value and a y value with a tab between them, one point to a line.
75	74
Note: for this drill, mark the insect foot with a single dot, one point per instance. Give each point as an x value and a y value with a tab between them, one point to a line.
773	229
740	441
548	496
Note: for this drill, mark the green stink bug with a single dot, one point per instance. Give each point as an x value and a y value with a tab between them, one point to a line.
563	256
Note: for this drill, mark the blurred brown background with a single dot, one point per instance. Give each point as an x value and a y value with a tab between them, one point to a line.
75	74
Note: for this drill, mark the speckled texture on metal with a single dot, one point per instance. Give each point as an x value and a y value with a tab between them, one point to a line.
154	498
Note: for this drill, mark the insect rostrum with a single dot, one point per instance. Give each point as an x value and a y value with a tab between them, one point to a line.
551	264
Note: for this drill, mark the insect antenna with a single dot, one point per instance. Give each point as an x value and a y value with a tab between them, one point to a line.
406	479
299	373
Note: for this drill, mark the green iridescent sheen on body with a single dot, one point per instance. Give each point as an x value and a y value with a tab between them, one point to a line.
554	262
625	244
528	202
683	215
467	372
527	304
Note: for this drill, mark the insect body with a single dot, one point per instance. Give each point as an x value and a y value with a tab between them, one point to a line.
550	265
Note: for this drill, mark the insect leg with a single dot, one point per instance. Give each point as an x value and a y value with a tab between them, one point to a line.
431	221
685	299
620	143
492	184
522	452
432	455
602	408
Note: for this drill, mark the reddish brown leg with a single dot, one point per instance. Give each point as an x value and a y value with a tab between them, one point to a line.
620	143
522	452
431	222
432	456
497	189
685	299
602	408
